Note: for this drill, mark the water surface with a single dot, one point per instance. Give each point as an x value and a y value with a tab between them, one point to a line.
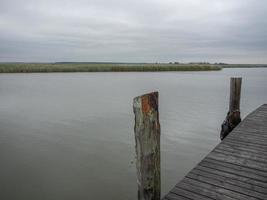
66	136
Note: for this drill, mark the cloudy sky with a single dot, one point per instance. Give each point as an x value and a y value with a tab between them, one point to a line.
232	31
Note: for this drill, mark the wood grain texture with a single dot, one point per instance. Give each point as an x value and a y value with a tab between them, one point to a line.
233	117
147	140
235	169
235	93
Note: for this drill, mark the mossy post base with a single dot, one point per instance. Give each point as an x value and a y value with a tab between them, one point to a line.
147	140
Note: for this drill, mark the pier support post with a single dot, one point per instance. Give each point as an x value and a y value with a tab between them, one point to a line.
147	146
235	93
233	116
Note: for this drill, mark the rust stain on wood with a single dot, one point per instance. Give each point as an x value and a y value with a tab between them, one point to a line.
145	104
149	102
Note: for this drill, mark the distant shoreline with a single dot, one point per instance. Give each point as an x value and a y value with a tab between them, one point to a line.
244	65
114	67
100	67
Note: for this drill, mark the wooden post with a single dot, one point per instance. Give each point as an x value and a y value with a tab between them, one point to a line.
233	116
235	92
147	146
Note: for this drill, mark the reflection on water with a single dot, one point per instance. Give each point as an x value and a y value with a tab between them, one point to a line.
70	135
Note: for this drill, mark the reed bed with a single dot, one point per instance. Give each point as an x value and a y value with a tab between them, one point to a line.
100	67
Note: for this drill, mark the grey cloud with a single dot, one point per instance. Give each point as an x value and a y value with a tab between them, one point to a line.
133	31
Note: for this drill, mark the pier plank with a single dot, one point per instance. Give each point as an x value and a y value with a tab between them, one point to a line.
235	169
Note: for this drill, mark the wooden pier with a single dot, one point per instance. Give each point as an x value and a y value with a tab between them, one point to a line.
235	169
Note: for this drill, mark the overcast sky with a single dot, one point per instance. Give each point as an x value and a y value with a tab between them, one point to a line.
232	31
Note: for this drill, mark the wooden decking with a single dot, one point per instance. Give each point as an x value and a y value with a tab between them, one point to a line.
235	169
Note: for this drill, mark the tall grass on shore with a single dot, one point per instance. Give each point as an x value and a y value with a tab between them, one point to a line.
244	65
100	67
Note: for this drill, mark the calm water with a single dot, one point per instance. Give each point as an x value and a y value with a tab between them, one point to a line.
66	136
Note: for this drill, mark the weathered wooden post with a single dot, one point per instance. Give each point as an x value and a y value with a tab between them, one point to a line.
147	145
233	116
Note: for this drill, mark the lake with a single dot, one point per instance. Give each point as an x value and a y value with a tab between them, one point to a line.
66	136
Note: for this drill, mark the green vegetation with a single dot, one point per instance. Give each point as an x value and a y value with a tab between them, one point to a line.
243	65
115	67
101	67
